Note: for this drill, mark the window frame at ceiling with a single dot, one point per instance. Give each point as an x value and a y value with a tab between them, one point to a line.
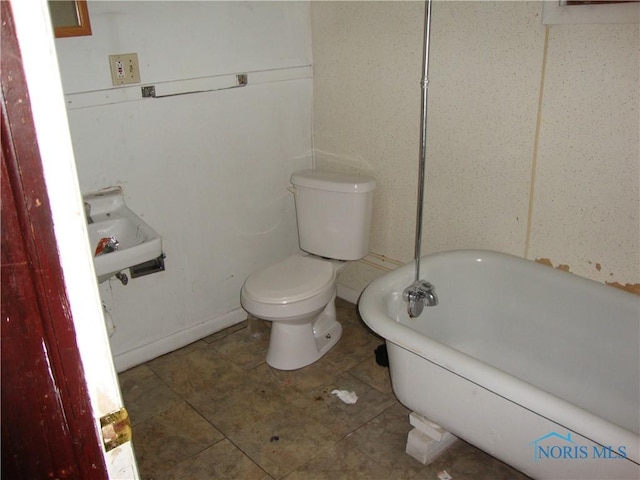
557	12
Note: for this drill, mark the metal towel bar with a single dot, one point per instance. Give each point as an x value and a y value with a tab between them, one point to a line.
241	80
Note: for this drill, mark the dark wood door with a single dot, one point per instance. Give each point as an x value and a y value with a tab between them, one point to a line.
48	430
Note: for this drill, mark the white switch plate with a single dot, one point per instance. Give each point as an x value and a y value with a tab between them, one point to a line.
124	68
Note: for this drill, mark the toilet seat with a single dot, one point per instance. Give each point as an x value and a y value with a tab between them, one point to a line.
294	279
296	286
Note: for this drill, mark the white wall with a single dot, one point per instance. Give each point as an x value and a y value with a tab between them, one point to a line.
208	171
532	145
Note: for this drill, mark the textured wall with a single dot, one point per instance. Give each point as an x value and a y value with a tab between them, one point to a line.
586	204
532	145
367	105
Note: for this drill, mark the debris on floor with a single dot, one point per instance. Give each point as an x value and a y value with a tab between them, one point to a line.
346	396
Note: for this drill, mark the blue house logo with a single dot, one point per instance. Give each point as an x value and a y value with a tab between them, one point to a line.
554	446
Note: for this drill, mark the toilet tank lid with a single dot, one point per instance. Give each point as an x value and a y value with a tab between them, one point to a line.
332	181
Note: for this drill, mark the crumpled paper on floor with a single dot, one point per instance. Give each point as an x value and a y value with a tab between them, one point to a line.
346	396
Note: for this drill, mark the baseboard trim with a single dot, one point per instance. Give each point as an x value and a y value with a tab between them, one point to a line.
126	360
348	294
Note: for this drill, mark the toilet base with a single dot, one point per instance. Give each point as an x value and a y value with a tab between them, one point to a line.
296	344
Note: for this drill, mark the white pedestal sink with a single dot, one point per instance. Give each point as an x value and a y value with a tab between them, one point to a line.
110	218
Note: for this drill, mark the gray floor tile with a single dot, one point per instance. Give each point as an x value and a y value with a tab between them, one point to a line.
145	394
465	462
341	461
221	461
284	440
216	409
169	438
343	418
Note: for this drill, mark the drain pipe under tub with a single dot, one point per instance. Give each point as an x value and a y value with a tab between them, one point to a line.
421	292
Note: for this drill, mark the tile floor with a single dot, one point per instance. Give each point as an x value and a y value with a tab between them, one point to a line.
215	410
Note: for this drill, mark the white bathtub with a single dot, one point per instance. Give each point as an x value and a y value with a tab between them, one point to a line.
538	367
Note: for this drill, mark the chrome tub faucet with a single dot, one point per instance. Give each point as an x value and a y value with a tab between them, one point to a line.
418	295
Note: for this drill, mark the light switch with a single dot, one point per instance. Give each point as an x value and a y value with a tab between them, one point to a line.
124	68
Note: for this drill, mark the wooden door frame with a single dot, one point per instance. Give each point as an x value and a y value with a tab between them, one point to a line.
48	430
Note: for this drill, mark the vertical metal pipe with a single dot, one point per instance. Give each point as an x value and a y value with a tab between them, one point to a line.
421	293
423	136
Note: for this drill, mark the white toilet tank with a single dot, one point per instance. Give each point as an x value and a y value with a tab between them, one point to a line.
334	213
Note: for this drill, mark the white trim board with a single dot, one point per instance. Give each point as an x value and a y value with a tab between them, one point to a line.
184	86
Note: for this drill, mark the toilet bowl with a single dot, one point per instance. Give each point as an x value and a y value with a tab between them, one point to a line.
298	296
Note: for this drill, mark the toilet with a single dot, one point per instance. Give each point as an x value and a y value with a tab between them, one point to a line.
298	294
